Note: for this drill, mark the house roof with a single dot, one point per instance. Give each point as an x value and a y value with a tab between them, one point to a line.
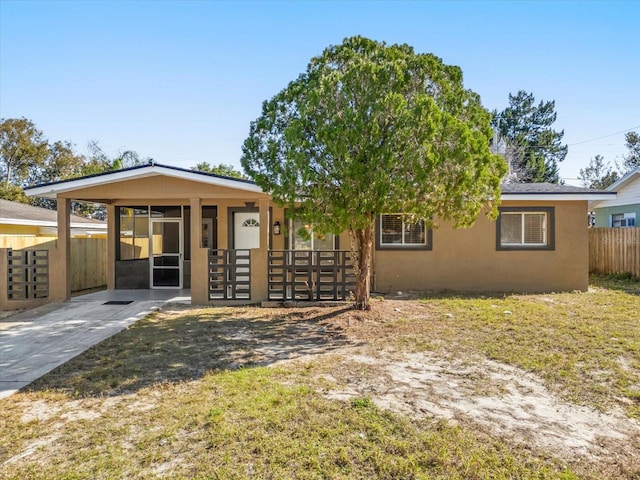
50	190
551	191
625	181
510	191
14	213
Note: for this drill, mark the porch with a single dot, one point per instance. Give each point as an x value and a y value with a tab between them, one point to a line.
171	228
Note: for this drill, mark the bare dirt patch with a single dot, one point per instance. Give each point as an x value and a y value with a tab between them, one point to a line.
468	388
425	360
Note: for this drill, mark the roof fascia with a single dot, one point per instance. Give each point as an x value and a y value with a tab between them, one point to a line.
50	223
567	197
51	190
620	183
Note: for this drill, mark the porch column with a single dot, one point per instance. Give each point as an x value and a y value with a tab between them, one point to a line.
60	260
199	257
259	267
112	238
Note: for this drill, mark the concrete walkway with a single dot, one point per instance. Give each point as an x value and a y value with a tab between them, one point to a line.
36	341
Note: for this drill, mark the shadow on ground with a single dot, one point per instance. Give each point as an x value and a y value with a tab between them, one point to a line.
179	344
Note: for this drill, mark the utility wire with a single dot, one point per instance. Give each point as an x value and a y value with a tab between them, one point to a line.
605	136
585	141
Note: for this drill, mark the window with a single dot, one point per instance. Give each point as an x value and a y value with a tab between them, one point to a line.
133	231
312	241
521	228
623	220
397	231
251	222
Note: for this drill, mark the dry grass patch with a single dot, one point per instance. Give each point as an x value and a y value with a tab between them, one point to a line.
300	393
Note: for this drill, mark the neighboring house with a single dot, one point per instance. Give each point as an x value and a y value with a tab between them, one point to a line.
227	241
22	220
623	210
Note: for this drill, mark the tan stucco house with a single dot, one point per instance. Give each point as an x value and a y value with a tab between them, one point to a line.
227	241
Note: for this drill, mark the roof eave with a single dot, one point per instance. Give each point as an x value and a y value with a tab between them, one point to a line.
558	196
54	189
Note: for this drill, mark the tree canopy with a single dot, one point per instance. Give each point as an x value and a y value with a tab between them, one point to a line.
371	128
632	159
221	169
534	148
598	174
22	149
28	158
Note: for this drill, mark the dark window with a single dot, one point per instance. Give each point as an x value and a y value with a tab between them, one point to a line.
525	228
397	231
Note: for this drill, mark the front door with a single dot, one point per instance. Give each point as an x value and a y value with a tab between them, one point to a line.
246	230
166	253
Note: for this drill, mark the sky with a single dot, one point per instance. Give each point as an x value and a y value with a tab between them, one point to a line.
181	81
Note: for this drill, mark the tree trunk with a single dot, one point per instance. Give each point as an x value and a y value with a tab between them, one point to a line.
363	240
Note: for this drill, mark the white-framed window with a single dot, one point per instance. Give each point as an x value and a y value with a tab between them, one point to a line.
623	220
396	230
525	228
311	241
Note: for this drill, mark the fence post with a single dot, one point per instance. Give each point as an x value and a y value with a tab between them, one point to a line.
259	275
4	278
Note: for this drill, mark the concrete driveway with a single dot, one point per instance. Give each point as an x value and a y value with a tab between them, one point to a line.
36	341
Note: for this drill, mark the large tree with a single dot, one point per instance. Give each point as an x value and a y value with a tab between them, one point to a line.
535	148
372	128
598	174
22	149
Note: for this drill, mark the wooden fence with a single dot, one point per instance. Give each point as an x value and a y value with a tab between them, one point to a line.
614	250
88	257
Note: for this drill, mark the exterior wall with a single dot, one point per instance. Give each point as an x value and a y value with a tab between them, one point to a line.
467	259
603	215
627	200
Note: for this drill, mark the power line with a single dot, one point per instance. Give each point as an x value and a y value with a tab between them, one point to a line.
605	136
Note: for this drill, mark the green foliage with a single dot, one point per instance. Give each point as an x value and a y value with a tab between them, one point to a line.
598	174
536	149
22	148
632	159
371	128
221	169
13	193
28	158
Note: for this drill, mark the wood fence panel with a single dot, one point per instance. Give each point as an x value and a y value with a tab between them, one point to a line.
614	250
88	263
21	242
88	257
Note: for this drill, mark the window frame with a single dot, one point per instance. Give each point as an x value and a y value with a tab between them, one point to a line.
428	245
290	242
626	216
550	228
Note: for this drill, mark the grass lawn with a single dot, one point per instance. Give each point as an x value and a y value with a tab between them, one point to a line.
251	393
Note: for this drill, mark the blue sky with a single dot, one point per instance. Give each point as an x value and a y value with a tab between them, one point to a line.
181	81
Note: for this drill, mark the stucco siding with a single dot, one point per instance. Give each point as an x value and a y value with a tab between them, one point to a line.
467	259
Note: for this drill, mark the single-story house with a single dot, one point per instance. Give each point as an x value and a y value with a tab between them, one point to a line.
623	210
23	220
227	241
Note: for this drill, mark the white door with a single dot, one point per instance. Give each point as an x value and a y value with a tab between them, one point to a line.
166	253
246	230
246	235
